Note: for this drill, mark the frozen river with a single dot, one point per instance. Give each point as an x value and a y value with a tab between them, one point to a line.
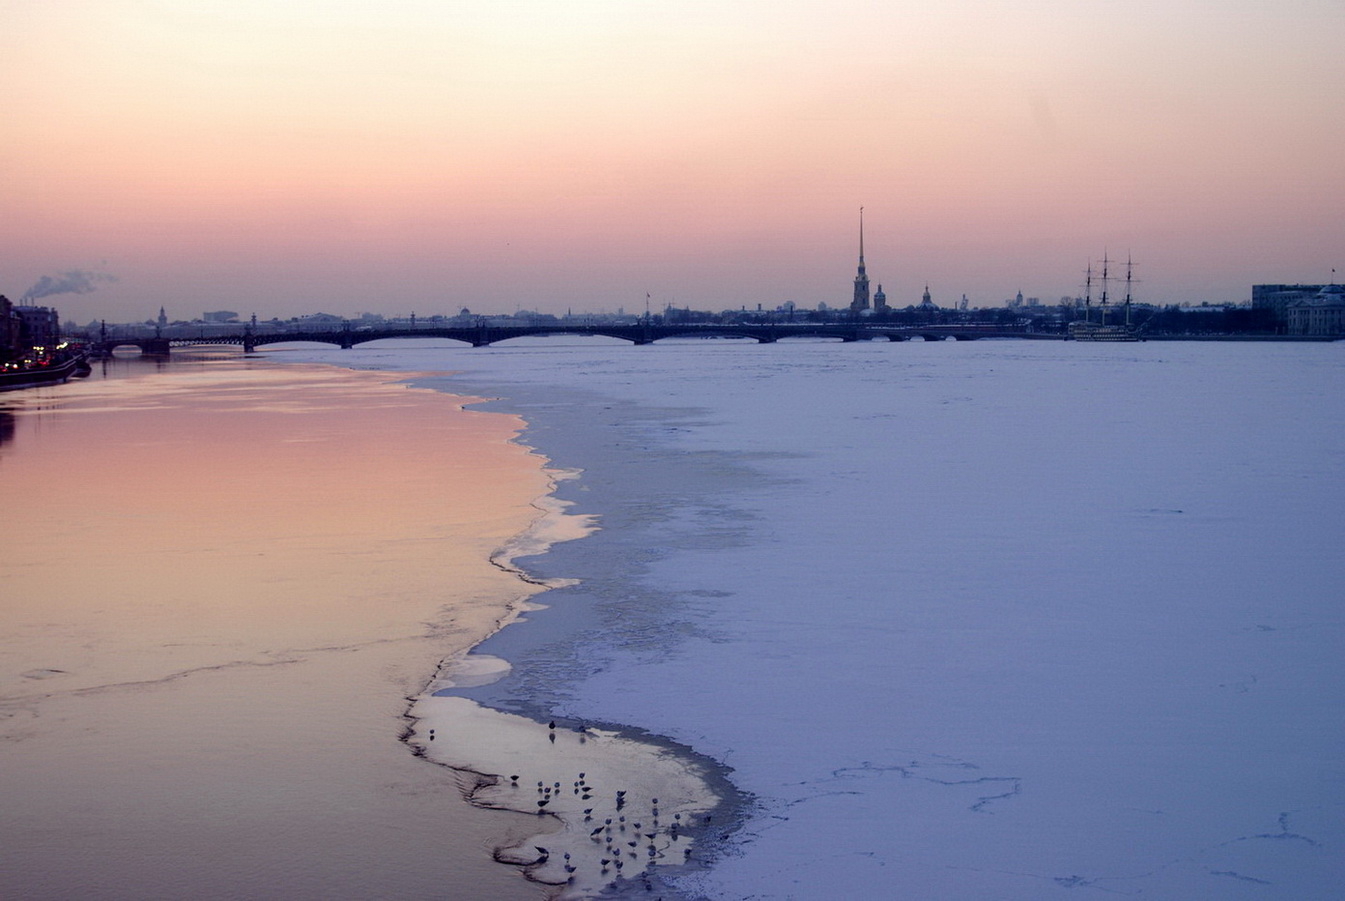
972	620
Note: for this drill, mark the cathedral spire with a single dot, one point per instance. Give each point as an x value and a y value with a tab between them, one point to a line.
861	295
861	240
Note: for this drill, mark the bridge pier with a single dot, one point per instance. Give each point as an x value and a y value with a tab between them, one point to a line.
157	347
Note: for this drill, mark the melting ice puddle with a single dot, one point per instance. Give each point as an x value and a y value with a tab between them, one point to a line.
614	808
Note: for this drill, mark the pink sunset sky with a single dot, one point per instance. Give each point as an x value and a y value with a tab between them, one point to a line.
389	157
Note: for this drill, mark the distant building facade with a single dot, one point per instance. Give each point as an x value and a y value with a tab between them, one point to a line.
1278	298
9	330
38	326
320	321
1323	315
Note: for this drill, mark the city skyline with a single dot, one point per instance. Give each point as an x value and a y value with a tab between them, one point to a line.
530	156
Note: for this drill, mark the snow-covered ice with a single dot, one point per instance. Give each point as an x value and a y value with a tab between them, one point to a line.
965	620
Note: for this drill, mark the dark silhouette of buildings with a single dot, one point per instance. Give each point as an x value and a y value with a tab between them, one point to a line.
861	298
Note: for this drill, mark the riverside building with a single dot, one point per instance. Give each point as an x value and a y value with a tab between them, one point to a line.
1279	298
1321	315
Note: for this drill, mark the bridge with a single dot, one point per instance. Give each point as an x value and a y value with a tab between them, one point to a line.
483	335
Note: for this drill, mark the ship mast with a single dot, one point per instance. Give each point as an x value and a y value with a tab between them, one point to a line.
1128	267
1103	318
1088	294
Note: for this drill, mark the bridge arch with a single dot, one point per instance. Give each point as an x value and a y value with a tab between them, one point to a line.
116	343
443	342
756	335
613	334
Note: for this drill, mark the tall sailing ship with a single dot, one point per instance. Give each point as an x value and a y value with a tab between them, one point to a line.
1086	329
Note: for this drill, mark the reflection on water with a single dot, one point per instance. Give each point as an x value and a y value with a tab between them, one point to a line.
222	581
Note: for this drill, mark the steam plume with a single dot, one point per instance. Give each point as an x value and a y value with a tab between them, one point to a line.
76	281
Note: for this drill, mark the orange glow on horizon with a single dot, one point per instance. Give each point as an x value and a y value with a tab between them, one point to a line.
617	144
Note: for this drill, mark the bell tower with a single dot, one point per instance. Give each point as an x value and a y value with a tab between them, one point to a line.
861	298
